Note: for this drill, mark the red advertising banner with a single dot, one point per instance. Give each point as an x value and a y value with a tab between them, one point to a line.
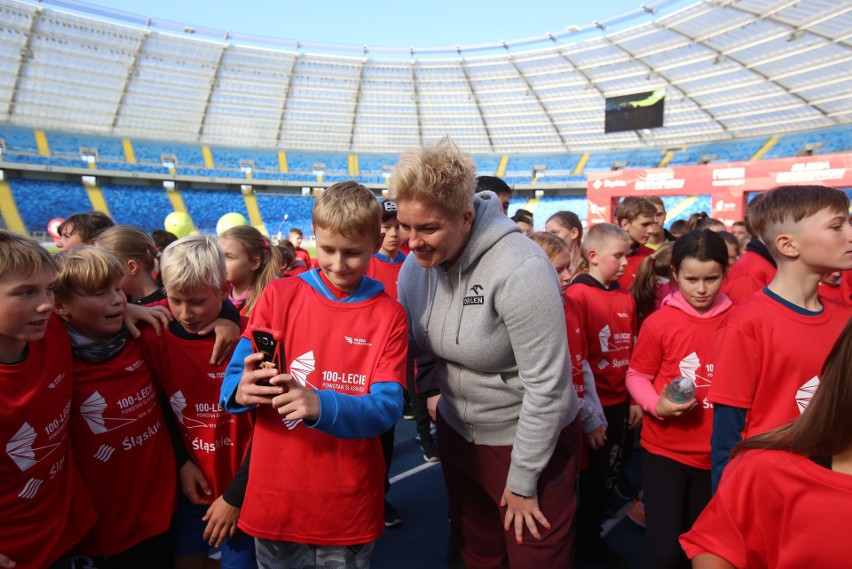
727	183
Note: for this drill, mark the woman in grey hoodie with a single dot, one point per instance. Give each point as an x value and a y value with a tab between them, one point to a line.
483	302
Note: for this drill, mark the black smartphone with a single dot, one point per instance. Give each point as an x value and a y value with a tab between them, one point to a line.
268	342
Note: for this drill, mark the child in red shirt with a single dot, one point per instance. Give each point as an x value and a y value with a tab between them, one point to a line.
316	478
116	422
677	341
606	314
193	271
770	349
252	263
785	499
636	217
46	507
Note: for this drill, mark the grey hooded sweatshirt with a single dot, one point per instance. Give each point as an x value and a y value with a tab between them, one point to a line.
494	322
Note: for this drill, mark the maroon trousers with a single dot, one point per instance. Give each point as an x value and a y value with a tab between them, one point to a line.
475	476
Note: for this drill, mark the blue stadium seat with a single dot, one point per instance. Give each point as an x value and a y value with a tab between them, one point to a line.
207	206
273	208
143	206
39	201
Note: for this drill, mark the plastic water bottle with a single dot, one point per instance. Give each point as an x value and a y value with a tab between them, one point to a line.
681	390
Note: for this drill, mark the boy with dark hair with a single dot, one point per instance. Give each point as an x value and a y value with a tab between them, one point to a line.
606	313
499	187
295	237
755	268
384	267
46	507
771	348
636	217
116	421
343	351
677	228
82	228
193	270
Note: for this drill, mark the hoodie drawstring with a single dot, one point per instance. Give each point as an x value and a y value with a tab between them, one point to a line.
430	302
461	307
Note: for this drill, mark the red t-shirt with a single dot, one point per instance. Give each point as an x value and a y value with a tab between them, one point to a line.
216	440
124	451
304	485
386	273
673	343
769	357
608	318
304	256
633	262
749	274
776	509
576	346
45	506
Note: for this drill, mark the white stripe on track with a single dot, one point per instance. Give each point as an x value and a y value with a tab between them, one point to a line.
412	472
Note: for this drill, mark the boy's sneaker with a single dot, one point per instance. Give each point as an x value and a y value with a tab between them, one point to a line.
392	517
637	513
430	451
407	411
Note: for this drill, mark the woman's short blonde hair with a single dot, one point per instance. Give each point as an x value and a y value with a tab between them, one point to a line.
439	174
86	270
191	263
349	209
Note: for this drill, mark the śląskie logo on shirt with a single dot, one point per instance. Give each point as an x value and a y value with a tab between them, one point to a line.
357	341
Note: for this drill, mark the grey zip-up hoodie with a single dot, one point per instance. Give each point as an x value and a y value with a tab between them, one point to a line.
495	324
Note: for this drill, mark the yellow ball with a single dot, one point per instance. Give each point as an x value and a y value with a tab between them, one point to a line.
179	223
230	220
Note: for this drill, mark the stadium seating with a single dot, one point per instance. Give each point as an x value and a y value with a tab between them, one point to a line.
207	206
39	201
273	208
143	206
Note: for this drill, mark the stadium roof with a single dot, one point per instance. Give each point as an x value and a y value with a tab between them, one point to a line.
731	69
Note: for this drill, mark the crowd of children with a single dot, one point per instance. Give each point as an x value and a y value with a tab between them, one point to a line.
115	363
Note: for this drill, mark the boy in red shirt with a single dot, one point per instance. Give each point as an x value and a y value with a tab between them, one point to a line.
316	478
116	422
770	350
637	217
193	271
46	508
295	237
606	312
753	270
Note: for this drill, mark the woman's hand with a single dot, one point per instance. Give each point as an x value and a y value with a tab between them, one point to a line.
668	408
156	316
221	518
227	336
522	511
296	402
432	406
249	390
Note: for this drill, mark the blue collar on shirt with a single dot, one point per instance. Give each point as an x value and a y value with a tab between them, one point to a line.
366	289
790	305
399	258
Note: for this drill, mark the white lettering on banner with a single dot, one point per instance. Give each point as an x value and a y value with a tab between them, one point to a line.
722	205
729	176
615	183
810	172
660	181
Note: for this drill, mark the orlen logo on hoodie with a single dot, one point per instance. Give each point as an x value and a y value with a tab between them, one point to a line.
475	289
